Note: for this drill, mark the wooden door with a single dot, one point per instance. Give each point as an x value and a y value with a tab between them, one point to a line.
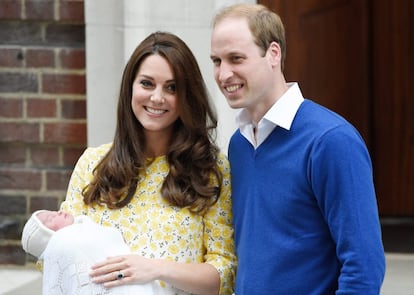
393	104
357	58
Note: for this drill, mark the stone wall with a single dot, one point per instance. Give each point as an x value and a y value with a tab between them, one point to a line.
42	110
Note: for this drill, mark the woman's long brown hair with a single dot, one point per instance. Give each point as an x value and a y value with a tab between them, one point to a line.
194	179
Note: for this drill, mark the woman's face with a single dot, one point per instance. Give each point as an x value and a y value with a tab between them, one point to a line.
55	220
154	97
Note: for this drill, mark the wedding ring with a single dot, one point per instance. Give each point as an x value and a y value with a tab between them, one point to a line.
120	276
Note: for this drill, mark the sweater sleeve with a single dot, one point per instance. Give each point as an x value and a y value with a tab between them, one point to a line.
218	234
346	196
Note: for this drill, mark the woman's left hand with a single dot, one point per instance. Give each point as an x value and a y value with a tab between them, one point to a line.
195	278
125	269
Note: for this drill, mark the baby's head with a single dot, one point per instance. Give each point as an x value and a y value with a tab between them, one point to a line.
40	227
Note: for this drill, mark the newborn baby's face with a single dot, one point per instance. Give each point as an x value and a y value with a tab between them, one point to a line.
55	219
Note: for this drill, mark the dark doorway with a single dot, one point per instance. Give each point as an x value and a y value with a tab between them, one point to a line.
357	58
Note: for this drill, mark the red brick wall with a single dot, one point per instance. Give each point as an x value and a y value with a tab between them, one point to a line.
42	110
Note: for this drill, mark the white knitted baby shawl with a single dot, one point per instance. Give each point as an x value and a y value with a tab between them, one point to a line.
71	252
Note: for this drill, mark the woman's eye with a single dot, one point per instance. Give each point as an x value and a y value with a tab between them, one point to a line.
171	88
146	83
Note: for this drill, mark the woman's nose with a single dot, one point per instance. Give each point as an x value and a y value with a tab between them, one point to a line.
157	97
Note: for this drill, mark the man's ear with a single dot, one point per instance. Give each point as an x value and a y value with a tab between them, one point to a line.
274	53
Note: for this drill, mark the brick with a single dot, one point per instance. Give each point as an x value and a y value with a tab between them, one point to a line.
58	179
11	154
40	58
9	227
71	155
12	254
20	33
72	58
19	132
47	203
73	109
68	35
11	57
64	83
20	179
10	9
72	10
41	108
18	82
66	133
11	108
44	156
12	205
39	10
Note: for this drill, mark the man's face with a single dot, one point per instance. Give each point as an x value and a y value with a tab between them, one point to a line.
241	71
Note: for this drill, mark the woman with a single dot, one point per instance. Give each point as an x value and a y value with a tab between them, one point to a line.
162	182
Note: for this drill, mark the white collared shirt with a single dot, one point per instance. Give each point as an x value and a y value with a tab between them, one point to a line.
280	114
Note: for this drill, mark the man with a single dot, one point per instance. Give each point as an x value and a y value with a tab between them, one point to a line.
305	212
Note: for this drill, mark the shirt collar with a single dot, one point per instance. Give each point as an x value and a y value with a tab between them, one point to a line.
281	113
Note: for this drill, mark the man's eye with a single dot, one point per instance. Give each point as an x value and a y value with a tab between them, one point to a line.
236	59
216	61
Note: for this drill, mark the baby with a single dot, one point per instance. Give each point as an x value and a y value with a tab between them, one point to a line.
68	246
40	227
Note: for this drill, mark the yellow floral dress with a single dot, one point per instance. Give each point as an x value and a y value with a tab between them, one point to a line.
155	229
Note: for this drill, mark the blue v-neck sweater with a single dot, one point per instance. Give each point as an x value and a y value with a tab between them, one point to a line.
305	212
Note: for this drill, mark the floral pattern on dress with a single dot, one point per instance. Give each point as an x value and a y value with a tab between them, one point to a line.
155	229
